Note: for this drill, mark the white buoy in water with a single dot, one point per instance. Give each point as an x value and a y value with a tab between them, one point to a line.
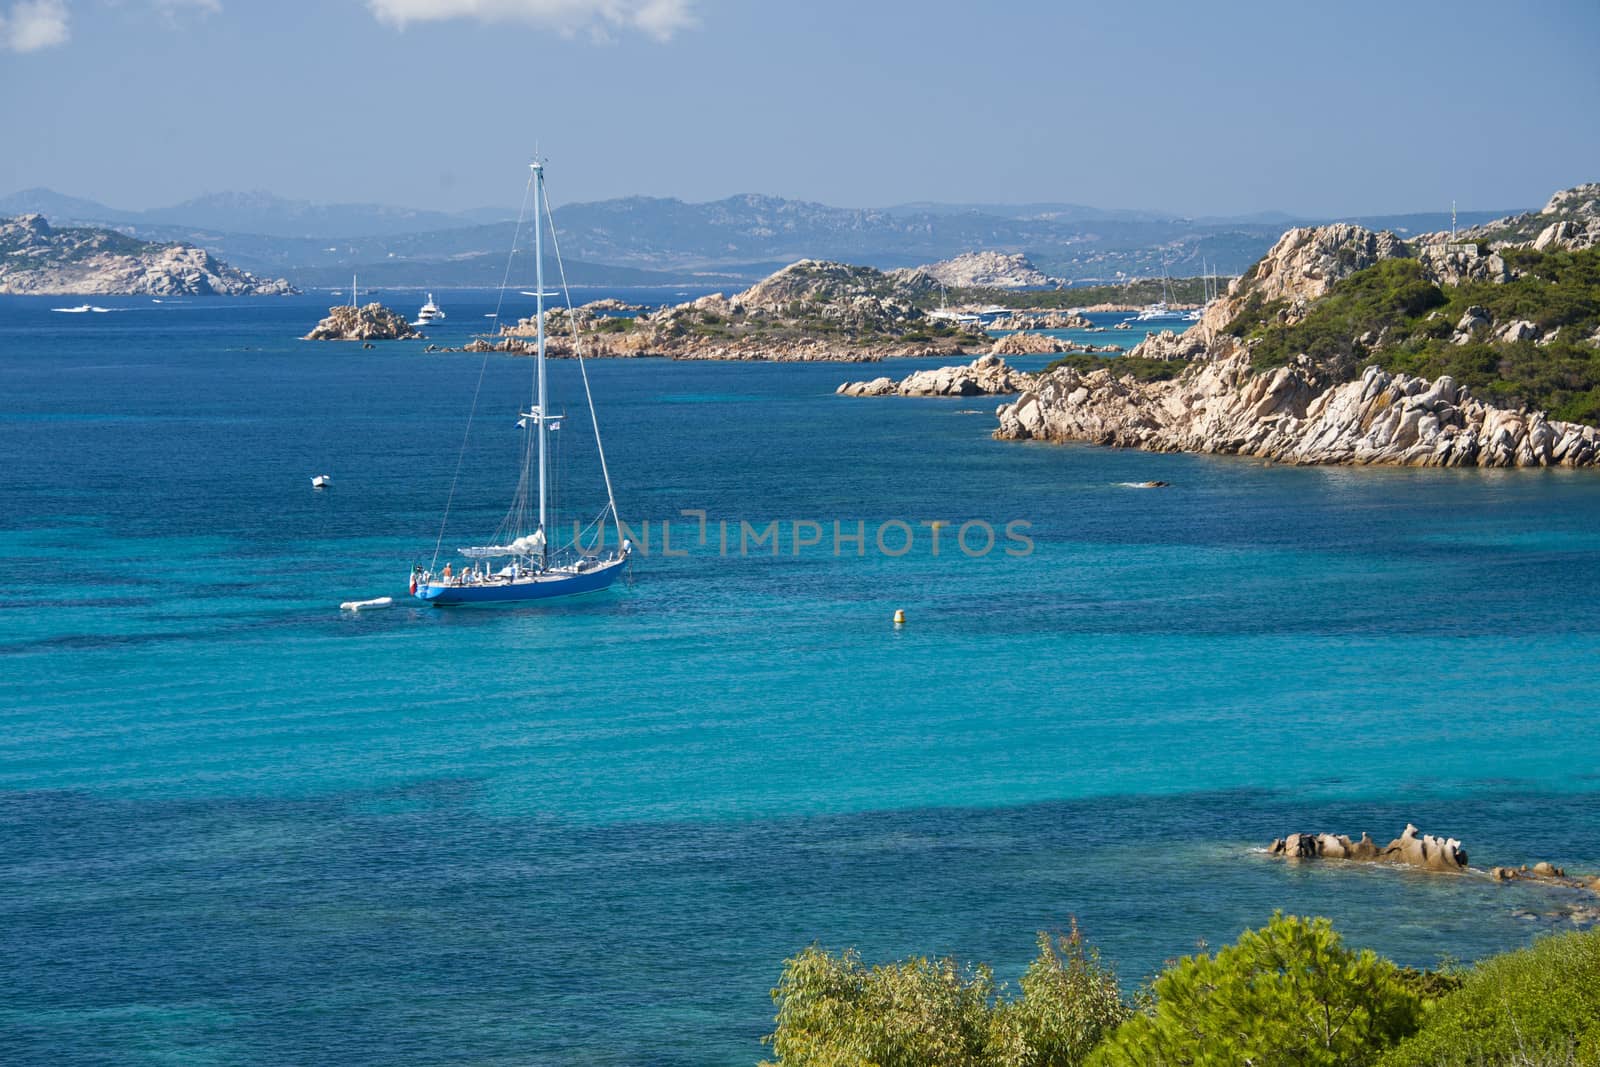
899	617
367	605
320	481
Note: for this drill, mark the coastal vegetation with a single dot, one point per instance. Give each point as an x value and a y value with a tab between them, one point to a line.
1392	315
1290	992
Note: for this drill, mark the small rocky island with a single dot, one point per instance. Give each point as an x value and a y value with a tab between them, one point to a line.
374	322
1349	346
808	311
812	310
37	258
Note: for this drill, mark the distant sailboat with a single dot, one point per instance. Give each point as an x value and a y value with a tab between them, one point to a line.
520	562
1162	310
1209	281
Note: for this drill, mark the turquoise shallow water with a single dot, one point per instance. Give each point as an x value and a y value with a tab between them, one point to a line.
239	827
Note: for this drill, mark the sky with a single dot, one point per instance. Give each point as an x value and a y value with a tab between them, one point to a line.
1345	108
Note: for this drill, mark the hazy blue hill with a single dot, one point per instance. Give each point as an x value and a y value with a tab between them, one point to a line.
263	213
61	208
1058	212
743	237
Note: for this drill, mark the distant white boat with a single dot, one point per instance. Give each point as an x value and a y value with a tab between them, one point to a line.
944	314
1159	311
81	308
321	481
367	605
430	312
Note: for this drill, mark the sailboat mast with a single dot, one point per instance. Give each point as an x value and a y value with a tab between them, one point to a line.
538	284
353	301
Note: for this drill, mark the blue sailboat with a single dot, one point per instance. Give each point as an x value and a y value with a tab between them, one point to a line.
519	563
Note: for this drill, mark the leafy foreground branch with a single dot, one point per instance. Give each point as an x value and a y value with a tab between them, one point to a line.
1289	993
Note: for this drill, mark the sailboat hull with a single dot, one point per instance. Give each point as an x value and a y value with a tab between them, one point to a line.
544	587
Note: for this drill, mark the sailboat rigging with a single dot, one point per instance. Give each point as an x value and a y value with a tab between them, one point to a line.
521	563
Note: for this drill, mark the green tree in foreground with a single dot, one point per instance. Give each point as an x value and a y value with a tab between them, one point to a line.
1069	1003
1539	1006
1289	993
833	1011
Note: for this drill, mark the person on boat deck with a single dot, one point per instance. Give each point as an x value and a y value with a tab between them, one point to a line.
446	572
516	571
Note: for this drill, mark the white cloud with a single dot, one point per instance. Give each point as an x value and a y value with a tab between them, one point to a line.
658	18
31	25
34	24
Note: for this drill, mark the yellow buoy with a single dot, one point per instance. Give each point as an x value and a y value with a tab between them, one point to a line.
899	617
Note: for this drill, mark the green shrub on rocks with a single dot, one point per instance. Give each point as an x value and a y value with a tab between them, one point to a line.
1389	314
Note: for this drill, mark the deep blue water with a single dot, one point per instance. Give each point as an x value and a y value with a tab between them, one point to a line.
238	827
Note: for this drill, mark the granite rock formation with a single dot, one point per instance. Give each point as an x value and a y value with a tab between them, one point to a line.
373	322
1412	849
36	257
984	376
1292	415
989	270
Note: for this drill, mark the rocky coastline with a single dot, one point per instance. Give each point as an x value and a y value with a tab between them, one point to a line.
1311	411
1290	415
39	259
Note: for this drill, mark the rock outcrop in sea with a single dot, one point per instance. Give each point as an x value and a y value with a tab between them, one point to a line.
373	322
984	376
1412	849
38	258
1573	895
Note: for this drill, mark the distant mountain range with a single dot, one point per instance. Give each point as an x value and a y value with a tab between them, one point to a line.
650	240
257	213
